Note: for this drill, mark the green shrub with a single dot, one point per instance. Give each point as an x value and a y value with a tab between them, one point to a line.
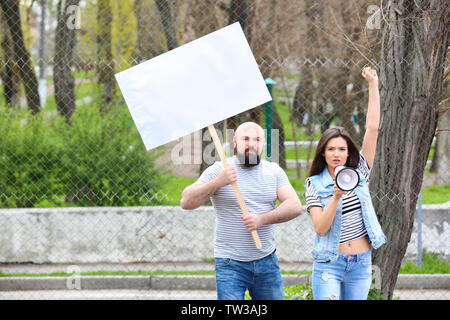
298	292
304	292
107	161
30	157
98	160
375	294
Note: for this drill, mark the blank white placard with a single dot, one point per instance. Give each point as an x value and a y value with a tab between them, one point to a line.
195	85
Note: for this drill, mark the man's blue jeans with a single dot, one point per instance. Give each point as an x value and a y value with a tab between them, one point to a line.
261	277
348	278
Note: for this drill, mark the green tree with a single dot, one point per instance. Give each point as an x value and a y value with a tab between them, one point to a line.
105	64
11	13
63	61
414	49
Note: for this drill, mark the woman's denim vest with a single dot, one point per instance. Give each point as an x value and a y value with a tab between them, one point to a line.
326	247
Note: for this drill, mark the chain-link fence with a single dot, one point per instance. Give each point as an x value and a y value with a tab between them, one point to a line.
81	194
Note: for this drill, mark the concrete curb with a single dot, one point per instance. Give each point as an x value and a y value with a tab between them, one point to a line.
423	281
182	282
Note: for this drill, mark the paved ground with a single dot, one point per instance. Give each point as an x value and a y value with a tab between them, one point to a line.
109	294
173	295
423	294
147	294
148	267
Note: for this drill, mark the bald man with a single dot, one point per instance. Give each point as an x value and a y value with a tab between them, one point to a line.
239	264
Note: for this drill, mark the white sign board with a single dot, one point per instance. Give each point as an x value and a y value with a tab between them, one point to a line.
195	85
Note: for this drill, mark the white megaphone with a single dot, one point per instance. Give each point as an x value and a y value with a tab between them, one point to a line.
346	178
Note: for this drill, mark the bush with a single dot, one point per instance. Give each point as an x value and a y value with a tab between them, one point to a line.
298	292
98	160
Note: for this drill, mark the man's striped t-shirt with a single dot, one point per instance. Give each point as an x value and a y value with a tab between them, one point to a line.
258	185
352	225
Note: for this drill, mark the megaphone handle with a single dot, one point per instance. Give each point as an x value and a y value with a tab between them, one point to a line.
234	185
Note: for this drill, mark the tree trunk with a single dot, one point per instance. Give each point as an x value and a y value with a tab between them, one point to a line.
62	73
239	11
344	107
360	99
441	157
413	54
277	124
141	51
441	149
105	65
8	72
303	105
11	11
205	22
147	46
167	22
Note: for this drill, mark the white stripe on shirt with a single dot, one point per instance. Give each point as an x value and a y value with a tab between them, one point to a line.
259	186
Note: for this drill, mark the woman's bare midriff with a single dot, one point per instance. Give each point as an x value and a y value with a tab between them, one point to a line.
356	246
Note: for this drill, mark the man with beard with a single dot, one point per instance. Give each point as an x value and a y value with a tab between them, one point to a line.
239	264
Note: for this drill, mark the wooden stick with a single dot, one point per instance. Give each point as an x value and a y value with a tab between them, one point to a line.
241	201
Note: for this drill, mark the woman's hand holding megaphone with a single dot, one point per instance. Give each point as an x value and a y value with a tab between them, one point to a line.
338	192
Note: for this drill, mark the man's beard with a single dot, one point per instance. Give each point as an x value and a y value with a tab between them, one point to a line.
247	159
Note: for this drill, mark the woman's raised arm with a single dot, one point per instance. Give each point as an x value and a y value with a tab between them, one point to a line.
369	145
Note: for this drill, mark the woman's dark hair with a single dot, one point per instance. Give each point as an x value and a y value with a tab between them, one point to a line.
319	162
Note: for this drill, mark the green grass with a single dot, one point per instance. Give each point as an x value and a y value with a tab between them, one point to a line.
82	74
431	264
436	194
300	134
297	184
173	187
302	153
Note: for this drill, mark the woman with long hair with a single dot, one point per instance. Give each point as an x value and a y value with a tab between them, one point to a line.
345	223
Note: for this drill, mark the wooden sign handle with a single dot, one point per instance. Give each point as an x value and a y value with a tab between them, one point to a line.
241	201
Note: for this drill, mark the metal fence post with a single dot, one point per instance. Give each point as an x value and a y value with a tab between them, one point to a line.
419	230
42	64
269	106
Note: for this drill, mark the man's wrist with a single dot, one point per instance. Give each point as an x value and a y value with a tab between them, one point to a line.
213	187
269	217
